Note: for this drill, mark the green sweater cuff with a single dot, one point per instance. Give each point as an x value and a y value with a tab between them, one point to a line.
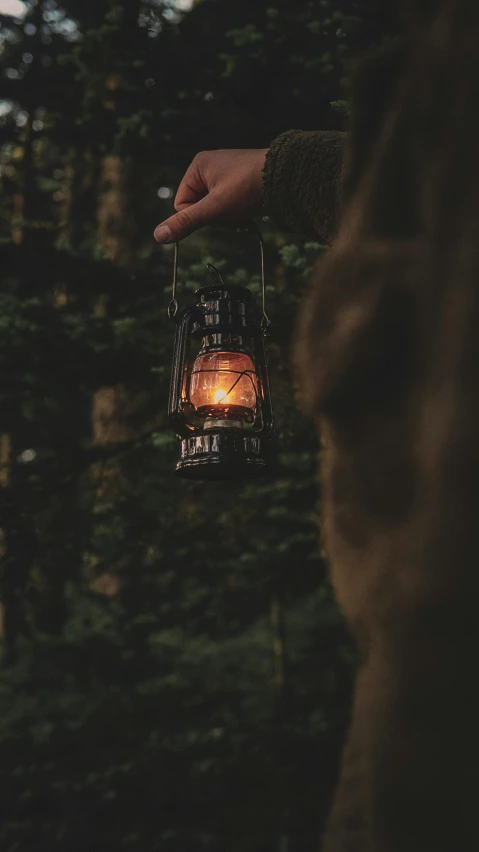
302	182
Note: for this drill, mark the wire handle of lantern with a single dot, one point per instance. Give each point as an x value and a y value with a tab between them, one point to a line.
173	306
265	320
250	227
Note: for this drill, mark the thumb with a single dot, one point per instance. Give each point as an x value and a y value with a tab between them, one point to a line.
186	221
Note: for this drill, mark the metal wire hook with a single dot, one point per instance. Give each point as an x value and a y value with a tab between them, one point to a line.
265	321
216	274
252	228
173	306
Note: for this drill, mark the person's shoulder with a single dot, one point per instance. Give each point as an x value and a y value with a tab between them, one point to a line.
381	63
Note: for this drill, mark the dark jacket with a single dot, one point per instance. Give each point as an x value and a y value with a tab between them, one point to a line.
387	356
309	175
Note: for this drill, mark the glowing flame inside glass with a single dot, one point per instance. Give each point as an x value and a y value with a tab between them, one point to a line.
221	396
222	383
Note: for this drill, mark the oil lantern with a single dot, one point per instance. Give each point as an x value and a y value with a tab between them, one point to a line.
220	402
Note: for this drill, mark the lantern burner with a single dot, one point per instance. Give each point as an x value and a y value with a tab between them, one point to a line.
212	423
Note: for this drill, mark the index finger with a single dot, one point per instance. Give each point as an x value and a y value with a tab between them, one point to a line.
191	189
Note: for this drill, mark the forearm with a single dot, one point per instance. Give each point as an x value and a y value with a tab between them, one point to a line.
302	182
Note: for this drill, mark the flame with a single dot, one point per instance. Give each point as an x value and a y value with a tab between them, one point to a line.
221	396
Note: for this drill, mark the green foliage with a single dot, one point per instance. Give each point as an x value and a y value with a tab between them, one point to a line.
342	107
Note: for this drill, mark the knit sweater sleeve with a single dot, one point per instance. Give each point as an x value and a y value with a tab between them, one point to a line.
302	182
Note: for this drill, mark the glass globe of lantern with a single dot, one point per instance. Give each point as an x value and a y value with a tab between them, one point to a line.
224	385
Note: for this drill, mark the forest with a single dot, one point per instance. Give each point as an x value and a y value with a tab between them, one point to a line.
175	675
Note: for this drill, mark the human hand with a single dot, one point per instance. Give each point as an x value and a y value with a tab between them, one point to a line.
220	187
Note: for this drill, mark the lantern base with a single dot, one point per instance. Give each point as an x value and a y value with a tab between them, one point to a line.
221	455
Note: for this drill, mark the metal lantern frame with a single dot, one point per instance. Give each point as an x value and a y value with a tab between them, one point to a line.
234	444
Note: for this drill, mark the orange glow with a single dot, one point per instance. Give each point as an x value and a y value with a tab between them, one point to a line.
221	396
222	380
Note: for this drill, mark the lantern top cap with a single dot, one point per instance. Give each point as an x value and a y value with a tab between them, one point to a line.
223	291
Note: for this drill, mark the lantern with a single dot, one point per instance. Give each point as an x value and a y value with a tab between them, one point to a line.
220	403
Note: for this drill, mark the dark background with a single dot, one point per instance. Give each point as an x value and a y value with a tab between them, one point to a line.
175	675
